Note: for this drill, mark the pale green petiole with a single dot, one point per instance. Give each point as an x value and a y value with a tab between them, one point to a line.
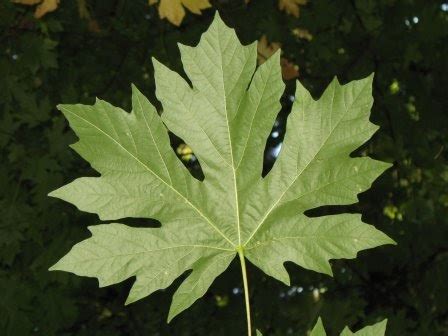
246	288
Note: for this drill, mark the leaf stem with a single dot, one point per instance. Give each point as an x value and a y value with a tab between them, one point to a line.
246	288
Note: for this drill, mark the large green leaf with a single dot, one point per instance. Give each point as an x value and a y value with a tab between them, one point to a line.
225	115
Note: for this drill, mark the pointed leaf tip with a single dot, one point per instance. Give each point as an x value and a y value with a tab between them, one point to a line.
378	329
318	329
217	17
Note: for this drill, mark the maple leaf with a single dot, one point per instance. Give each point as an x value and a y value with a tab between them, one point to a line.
291	7
174	12
378	329
225	117
44	6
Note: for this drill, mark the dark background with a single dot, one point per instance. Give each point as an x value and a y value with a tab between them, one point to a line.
68	57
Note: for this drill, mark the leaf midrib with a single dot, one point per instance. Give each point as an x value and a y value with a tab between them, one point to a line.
235	187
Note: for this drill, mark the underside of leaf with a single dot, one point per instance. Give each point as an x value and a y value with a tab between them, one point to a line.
225	115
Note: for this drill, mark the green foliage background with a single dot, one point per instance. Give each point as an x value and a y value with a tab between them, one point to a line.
61	59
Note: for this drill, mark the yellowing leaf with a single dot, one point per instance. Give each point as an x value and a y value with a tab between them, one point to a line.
302	34
174	12
289	69
27	2
195	6
266	50
43	8
291	6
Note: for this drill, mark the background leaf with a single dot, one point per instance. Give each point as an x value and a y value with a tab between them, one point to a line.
378	329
